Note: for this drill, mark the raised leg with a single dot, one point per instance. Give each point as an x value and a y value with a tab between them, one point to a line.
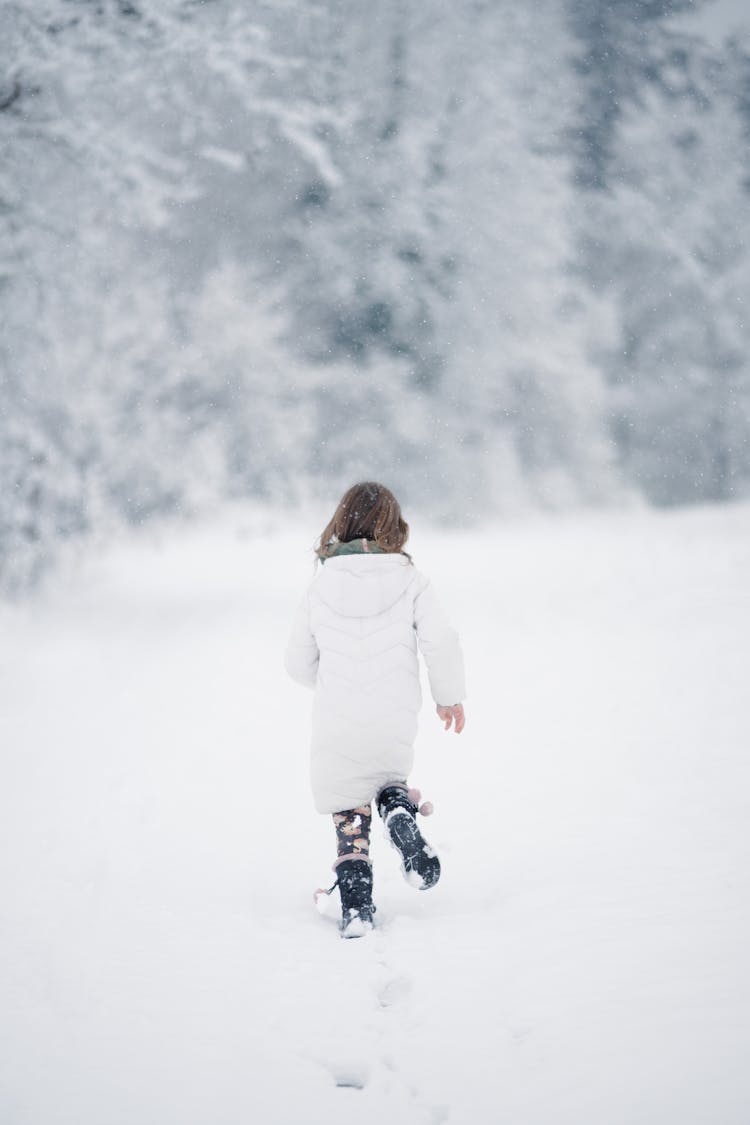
420	865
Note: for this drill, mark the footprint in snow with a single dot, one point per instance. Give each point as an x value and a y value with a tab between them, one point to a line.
393	990
351	1075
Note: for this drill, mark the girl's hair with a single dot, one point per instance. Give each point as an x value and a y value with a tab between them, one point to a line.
366	511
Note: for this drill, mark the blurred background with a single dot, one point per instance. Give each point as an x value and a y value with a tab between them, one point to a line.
494	253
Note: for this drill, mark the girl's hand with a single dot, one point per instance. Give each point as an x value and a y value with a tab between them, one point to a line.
448	714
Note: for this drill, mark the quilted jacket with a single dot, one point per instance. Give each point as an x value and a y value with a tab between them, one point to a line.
354	641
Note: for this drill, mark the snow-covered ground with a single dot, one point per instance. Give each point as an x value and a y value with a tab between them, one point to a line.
584	960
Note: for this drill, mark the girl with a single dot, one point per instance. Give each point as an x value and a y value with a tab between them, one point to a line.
355	641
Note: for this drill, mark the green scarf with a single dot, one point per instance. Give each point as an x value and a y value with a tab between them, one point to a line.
355	547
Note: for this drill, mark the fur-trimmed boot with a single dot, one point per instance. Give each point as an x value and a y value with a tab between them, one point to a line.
420	865
355	888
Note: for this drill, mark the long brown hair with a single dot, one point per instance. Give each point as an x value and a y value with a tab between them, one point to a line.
366	511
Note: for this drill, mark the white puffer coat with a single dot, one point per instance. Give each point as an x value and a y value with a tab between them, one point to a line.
354	641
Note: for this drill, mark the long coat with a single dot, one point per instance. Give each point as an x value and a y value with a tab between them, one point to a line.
354	640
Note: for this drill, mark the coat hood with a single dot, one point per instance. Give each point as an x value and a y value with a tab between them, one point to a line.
364	585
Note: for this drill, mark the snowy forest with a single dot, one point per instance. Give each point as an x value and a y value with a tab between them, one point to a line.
496	253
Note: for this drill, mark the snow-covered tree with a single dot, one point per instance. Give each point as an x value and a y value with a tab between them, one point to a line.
665	241
261	249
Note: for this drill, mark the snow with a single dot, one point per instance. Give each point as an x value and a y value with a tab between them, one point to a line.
715	20
496	256
584	957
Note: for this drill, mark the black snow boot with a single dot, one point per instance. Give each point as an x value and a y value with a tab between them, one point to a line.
355	888
420	865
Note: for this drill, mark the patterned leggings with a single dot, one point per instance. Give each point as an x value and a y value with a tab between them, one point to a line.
353	833
353	825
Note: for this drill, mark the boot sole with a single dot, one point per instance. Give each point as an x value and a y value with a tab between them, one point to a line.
420	867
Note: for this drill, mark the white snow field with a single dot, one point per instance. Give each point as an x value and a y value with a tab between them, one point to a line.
584	960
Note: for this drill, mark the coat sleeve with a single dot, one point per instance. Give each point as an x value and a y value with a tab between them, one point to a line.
302	654
438	642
